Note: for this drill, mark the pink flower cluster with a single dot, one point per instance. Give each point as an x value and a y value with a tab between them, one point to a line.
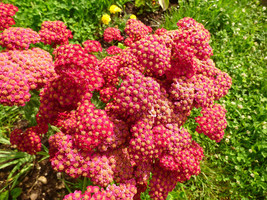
106	93
76	78
92	46
55	33
161	31
21	71
113	192
149	89
6	13
15	38
109	68
113	50
153	54
112	34
136	30
212	122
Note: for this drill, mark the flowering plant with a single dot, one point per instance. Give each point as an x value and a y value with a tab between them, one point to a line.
149	89
114	9
6	13
105	19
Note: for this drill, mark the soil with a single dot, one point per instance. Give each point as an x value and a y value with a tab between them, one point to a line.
42	182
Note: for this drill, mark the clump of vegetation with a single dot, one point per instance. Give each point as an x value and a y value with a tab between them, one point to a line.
147	104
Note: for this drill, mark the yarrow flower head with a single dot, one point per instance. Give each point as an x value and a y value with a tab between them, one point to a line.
21	71
109	68
6	13
122	192
28	141
18	38
213	122
113	9
153	54
112	34
113	50
105	19
136	30
55	33
92	46
161	31
73	57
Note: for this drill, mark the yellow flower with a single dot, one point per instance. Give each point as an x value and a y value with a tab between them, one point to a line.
105	19
132	17
114	9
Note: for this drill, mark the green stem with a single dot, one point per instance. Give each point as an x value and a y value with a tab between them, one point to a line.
66	185
84	183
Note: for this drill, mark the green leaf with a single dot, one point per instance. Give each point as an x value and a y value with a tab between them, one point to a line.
15	193
23	171
54	128
4	195
120	45
4	141
164	4
8	164
139	3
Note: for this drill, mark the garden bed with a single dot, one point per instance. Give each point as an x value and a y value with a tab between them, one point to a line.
232	168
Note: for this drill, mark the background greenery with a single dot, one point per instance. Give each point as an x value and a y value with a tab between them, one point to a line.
83	17
236	167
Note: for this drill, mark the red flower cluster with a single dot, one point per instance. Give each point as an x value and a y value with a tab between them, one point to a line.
136	30
182	93
137	95
21	71
213	122
153	54
72	58
197	37
161	31
15	38
28	141
65	157
6	13
113	50
150	89
109	68
128	41
89	137
76	79
55	33
92	46
113	192
112	34
107	93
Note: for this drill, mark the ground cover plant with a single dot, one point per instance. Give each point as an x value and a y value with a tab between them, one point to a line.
127	141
